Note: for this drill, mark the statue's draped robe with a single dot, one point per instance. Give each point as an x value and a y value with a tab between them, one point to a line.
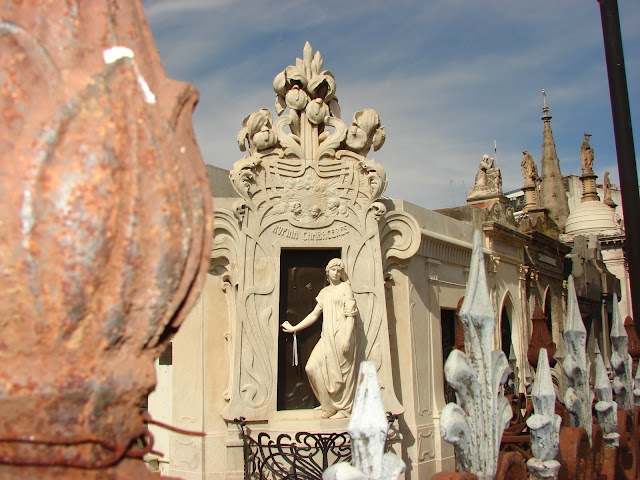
330	369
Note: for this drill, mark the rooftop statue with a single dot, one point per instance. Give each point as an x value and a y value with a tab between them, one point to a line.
529	169
488	181
586	155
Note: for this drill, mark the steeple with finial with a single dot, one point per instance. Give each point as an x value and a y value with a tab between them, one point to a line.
553	195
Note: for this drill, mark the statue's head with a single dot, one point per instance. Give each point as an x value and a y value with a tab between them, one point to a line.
337	262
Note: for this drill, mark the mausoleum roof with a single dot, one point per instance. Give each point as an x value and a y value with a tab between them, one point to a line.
592	217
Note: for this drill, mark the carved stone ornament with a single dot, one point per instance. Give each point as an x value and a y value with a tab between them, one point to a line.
308	167
105	227
474	426
306	183
578	397
621	361
544	424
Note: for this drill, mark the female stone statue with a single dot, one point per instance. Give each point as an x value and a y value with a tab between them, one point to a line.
586	155
331	365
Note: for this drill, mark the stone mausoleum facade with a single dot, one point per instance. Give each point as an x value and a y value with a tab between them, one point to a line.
307	191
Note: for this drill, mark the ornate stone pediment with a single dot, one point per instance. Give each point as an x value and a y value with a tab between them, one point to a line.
308	166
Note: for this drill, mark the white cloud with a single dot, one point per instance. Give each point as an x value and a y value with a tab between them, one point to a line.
447	77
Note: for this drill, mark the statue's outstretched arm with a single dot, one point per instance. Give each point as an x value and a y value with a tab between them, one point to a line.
307	321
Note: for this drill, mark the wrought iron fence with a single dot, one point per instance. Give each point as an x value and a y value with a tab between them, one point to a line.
303	456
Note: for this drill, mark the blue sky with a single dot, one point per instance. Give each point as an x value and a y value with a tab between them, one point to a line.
448	77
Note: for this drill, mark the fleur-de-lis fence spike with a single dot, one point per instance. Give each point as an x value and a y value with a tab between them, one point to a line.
544	424
606	408
576	366
475	425
621	361
368	431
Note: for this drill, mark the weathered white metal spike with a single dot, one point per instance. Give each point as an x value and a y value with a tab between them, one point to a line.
606	408
617	326
636	387
475	425
477	294
368	430
574	320
576	365
368	425
544	424
621	361
601	382
543	385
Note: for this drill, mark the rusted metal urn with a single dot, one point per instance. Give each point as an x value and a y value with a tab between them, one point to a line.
105	230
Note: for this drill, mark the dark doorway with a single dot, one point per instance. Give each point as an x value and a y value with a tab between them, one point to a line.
505	331
302	276
547	312
448	330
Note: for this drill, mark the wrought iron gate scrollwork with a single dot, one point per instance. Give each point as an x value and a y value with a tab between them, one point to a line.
304	458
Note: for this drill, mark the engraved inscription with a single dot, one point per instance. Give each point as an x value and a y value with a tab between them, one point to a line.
325	234
285	232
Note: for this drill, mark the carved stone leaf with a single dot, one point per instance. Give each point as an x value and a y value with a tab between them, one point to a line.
289	142
328	147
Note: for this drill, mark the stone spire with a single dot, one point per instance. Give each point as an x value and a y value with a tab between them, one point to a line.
552	190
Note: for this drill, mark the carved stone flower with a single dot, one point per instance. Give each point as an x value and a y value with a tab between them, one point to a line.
290	77
258	129
365	131
322	85
265	138
296	98
317	111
